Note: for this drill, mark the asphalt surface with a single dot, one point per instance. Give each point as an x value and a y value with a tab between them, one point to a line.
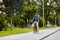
54	36
41	35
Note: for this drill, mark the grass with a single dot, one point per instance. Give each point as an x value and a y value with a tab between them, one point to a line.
19	31
15	31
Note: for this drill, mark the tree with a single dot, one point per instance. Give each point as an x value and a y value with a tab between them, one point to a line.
50	6
12	8
3	21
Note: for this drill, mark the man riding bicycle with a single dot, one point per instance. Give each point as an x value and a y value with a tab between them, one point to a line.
35	21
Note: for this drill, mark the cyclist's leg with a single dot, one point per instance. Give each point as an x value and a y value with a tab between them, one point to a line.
34	28
37	26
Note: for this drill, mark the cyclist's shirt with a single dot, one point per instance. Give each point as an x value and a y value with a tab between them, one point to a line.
36	18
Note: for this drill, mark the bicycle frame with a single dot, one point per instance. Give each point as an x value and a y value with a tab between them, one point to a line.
35	28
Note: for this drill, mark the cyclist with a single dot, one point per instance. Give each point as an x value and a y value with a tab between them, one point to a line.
35	21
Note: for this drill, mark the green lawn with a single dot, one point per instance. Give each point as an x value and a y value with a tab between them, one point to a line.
18	31
15	31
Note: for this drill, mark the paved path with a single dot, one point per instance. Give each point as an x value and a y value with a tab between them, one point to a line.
31	36
55	36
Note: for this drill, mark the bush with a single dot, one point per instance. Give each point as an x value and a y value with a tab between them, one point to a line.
5	24
16	20
3	21
41	22
1	26
22	23
58	19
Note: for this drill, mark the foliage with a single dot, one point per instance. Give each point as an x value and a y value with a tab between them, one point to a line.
30	10
3	21
41	22
16	20
49	8
21	23
58	19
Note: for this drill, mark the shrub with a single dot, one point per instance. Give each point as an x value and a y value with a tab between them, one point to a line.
3	21
1	26
22	23
16	20
5	24
41	22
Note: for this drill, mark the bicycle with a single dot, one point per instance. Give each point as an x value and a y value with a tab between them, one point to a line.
35	30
